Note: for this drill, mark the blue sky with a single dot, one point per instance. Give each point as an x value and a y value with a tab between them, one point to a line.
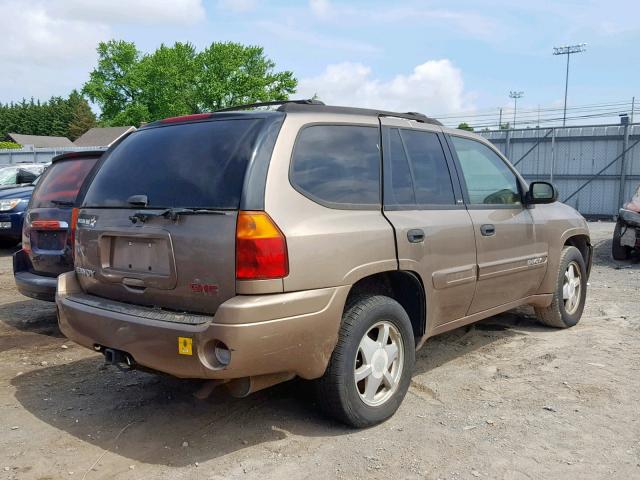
429	56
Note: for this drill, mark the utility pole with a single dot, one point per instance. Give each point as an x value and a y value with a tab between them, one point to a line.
515	96
568	50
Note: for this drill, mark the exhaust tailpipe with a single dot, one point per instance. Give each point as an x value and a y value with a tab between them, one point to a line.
117	357
242	387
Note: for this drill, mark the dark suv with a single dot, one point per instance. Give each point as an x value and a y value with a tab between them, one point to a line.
48	231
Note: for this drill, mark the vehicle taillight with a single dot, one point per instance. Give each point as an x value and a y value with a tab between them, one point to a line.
72	231
46	225
261	248
26	236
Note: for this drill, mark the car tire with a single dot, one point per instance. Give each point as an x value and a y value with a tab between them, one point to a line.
373	328
618	251
567	305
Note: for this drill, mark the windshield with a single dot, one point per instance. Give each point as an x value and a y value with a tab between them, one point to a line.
190	165
60	185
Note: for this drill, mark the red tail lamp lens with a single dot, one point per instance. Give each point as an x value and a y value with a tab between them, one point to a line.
261	248
72	230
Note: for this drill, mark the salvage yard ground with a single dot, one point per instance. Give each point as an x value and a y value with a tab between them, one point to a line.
502	399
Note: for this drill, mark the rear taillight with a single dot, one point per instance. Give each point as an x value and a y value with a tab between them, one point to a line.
72	230
48	225
261	248
26	236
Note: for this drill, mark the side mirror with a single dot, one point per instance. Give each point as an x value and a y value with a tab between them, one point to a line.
541	192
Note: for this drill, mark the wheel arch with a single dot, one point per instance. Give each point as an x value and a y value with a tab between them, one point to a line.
582	242
404	286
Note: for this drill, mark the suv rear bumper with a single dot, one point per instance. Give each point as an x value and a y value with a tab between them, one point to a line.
31	284
291	333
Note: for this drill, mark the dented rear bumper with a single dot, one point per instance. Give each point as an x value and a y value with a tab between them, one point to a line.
280	333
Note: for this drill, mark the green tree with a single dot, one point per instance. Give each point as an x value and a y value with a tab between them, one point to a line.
131	87
465	126
114	83
82	118
67	117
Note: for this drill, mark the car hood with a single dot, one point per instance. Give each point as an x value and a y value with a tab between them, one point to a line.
16	192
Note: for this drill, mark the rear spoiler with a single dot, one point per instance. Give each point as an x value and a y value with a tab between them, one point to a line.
80	154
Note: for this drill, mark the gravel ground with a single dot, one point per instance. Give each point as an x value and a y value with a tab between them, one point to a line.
502	399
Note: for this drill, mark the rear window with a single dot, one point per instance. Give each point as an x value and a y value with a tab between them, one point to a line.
61	183
191	165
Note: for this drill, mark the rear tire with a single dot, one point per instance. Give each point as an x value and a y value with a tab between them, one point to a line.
618	251
570	293
376	345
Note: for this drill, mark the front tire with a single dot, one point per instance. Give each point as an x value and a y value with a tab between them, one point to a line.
571	290
370	369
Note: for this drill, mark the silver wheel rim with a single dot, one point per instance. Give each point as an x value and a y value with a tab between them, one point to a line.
571	288
378	364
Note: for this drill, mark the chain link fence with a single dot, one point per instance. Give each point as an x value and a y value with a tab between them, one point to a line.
595	168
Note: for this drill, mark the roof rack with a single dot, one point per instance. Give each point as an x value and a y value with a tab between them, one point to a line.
311	105
247	106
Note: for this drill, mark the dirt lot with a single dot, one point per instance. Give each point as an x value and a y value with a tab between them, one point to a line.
505	399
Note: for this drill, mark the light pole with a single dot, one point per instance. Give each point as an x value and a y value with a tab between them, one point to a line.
515	96
568	50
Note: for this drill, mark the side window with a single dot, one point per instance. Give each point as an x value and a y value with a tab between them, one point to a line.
489	180
338	164
398	178
417	171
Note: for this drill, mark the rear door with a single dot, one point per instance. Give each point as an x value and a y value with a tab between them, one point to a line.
511	260
47	232
157	226
434	232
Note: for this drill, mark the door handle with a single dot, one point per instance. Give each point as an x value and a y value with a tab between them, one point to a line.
488	230
415	235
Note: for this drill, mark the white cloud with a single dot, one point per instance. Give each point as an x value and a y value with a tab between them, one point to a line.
321	8
150	12
435	86
48	47
238	6
33	36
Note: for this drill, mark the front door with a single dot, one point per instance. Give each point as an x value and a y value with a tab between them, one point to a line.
434	232
511	260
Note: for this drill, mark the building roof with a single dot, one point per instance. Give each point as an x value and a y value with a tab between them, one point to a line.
101	137
40	141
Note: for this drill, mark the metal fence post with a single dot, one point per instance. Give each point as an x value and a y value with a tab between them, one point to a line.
553	153
507	144
623	166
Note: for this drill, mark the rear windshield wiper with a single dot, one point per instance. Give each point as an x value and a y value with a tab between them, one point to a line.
62	203
171	213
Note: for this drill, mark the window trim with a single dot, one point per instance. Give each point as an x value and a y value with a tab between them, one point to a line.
463	182
336	205
458	200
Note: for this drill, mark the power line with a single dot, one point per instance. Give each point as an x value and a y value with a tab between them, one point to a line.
487	123
493	111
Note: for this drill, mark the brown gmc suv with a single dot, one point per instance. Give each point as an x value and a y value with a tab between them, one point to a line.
252	246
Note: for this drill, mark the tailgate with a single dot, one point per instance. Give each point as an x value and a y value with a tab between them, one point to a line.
186	264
